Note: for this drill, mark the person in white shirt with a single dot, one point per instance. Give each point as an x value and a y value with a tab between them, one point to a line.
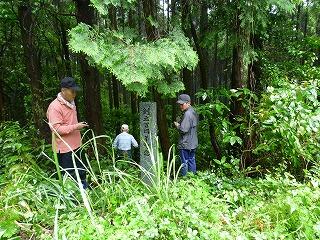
123	142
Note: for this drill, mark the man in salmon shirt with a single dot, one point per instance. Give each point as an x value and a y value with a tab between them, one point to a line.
62	116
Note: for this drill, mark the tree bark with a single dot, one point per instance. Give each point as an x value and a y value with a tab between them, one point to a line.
204	52
2	77
254	84
65	50
115	86
215	80
187	22
2	102
298	22
89	74
236	109
236	74
236	81
255	68
27	26
149	10
306	20
65	54
186	73
317	63
201	52
188	83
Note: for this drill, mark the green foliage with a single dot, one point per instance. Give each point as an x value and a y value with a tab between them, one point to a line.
102	5
285	124
15	145
203	206
216	112
8	226
289	122
137	65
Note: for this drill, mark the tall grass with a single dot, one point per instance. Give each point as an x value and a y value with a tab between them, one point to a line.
160	180
122	206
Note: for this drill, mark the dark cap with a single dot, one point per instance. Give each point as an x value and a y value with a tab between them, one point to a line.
183	98
69	82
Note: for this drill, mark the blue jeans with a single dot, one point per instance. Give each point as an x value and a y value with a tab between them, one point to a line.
188	161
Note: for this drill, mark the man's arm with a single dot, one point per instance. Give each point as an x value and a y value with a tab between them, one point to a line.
115	142
134	142
184	126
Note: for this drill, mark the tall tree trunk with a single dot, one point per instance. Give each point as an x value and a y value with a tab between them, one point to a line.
226	65
317	63
174	113
149	10
215	80
173	7
204	52
89	74
110	93
2	103
115	85
201	52
254	84
298	22
134	97
186	73
236	74
306	20
134	109
203	59
2	94
162	125
304	24
65	49
116	102
188	83
190	30
65	54
255	68
27	25
237	82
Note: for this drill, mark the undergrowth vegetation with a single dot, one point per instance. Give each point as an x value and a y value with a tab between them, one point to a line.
209	205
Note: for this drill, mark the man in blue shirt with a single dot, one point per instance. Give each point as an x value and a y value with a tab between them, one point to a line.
124	141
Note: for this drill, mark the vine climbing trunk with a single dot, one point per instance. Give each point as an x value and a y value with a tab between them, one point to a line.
255	86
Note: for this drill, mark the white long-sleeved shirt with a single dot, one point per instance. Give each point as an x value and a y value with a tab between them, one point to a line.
124	141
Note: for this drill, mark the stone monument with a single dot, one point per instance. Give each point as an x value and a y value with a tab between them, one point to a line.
148	141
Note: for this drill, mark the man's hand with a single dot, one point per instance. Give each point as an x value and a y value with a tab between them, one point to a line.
81	125
176	124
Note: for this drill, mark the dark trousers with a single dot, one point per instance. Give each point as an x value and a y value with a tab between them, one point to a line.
66	163
124	154
188	161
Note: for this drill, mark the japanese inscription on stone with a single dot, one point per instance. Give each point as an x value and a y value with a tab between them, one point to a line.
148	133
